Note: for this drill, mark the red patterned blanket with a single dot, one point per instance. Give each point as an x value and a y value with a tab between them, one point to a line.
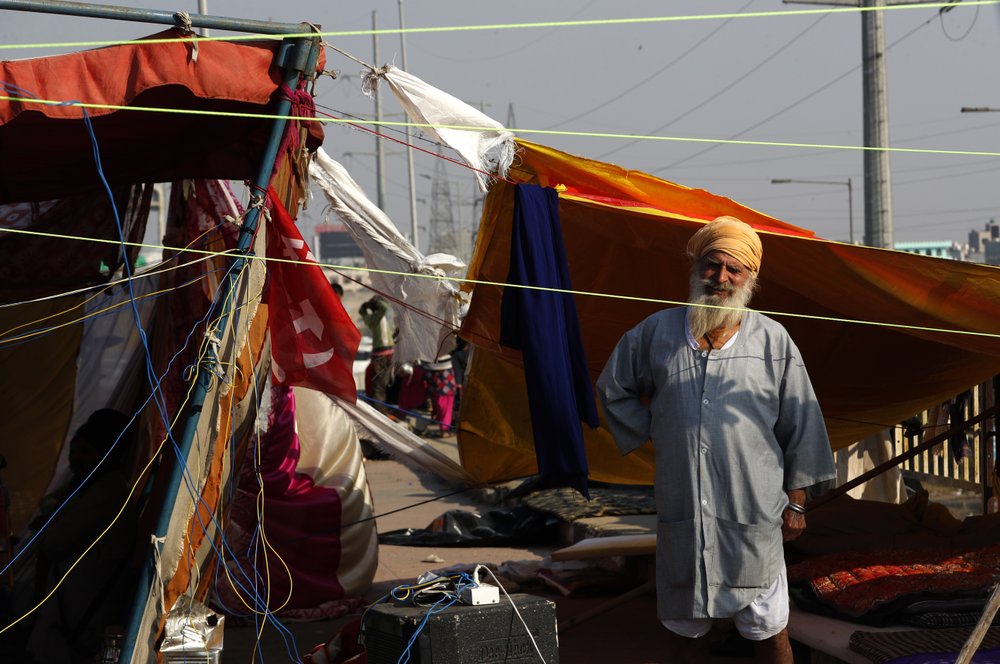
856	582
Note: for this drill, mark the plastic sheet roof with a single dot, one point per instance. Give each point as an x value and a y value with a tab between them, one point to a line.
625	234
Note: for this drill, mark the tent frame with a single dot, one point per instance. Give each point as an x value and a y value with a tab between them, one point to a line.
163	17
296	57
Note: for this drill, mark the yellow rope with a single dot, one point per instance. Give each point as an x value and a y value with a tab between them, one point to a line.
513	26
545	132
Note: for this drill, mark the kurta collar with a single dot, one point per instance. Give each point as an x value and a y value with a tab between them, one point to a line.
694	342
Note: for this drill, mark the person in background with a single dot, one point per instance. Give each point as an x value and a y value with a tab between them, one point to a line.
738	437
439	376
459	362
379	374
337	289
69	626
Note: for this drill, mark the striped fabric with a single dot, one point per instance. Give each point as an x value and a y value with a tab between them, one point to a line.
924	646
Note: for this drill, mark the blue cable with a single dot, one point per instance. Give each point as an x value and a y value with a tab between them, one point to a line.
150	371
28	544
460	582
405	655
156	394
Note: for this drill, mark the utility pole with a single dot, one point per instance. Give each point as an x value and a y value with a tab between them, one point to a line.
409	146
878	183
379	146
878	193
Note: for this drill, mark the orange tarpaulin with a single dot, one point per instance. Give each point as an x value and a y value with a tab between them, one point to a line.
625	234
47	150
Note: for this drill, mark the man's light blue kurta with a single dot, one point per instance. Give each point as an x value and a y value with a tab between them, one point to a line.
732	430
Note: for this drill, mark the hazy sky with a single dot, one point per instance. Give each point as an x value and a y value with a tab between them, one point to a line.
777	78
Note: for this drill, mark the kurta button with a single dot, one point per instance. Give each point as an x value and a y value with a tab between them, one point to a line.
704	353
704	502
705	401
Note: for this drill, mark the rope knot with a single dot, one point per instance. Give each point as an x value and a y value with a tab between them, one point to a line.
184	25
370	77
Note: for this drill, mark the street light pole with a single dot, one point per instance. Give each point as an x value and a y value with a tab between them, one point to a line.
979	109
380	187
839	183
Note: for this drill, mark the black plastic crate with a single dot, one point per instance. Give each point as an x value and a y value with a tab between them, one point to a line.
463	634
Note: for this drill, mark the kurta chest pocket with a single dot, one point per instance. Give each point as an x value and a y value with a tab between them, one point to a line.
746	554
675	554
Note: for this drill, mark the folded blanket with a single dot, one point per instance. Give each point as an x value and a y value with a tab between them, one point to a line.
857	583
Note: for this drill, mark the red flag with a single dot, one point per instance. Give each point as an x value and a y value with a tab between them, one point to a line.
313	340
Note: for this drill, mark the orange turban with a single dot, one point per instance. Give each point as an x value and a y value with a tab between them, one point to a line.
728	235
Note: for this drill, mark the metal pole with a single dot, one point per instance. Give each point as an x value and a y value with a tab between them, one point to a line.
850	209
878	202
878	196
65	8
409	148
292	63
203	9
379	143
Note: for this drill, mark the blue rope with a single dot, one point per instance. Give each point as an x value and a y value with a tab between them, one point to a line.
419	416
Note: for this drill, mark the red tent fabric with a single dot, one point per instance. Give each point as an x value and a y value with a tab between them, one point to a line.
47	149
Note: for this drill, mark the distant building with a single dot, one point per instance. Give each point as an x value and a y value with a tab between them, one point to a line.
984	245
336	245
936	248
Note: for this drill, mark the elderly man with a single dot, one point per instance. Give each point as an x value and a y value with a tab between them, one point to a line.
738	437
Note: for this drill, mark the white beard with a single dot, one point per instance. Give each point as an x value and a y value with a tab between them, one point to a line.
704	319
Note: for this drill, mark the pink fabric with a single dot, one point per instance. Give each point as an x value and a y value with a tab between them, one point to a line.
441	409
301	521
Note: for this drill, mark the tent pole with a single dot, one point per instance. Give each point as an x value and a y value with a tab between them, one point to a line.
294	58
164	17
982	626
895	461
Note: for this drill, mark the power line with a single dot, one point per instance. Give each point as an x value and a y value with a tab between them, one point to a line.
652	20
547	132
799	101
465	57
610	296
659	71
725	89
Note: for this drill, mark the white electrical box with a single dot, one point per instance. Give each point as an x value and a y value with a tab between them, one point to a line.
484	593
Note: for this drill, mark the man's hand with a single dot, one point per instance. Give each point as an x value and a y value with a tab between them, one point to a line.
793	523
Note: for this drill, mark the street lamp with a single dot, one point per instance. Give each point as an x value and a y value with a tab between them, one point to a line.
979	109
839	183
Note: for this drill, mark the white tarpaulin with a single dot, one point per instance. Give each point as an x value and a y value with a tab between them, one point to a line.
432	304
404	445
482	141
